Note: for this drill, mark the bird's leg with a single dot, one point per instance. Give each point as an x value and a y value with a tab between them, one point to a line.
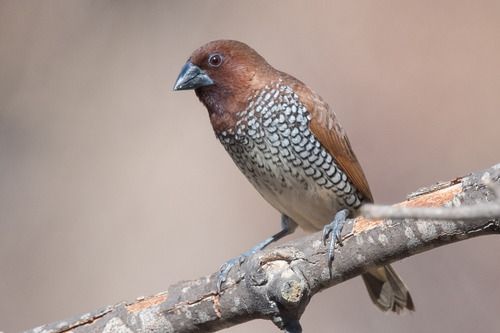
288	226
335	229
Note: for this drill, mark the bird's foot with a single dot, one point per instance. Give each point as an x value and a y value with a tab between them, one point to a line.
287	227
335	229
226	267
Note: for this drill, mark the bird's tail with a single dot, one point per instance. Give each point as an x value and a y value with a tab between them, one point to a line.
387	290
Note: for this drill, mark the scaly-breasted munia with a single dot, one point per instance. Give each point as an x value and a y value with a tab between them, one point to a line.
288	143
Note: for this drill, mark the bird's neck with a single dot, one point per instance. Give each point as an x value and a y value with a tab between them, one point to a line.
223	107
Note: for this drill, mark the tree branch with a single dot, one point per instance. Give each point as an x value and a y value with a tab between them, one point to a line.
278	283
405	209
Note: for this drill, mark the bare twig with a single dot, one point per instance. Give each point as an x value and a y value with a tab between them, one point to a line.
479	211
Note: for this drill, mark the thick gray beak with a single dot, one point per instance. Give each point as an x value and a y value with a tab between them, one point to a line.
192	77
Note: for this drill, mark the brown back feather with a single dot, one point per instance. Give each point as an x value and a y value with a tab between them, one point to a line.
328	130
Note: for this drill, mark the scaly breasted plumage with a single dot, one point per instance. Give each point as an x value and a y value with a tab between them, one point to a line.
288	143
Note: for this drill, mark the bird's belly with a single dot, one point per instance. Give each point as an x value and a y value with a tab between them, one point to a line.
310	194
310	206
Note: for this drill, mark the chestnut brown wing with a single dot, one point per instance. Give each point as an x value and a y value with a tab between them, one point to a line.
330	133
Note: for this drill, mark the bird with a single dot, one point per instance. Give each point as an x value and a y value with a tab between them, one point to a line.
288	143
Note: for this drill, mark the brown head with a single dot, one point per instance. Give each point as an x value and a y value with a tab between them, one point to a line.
223	74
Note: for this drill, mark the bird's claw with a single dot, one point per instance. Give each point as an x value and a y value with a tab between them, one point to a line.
335	229
225	268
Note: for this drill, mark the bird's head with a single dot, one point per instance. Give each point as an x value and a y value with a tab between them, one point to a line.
223	73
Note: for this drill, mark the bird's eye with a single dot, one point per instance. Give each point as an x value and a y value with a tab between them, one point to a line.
215	60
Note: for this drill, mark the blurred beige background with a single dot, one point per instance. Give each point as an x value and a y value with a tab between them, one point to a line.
112	186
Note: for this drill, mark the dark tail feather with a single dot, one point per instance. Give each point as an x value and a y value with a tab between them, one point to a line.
387	290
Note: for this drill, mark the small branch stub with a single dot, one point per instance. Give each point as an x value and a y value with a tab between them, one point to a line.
292	292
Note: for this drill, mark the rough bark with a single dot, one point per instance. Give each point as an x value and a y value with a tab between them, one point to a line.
278	283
